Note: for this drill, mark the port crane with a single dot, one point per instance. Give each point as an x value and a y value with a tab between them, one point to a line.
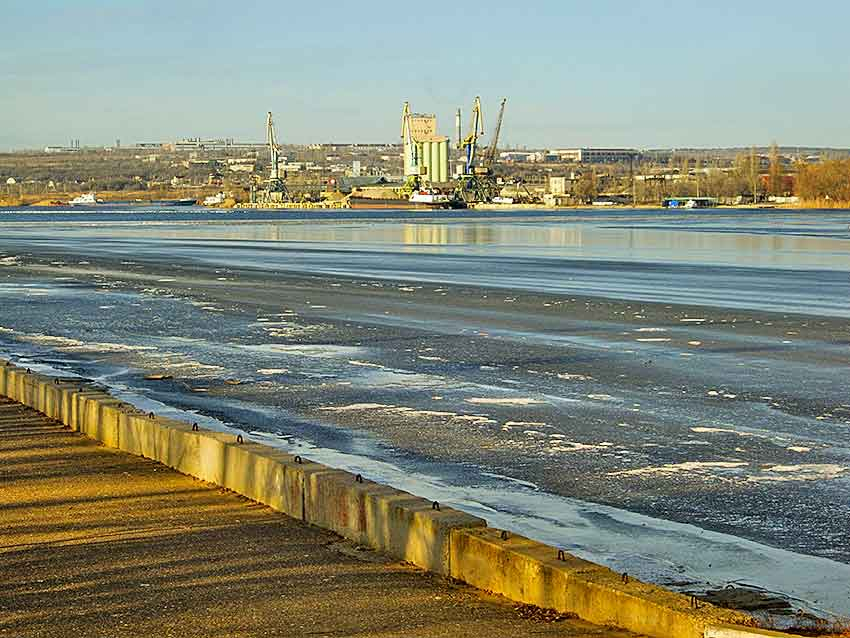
410	149
490	155
276	190
469	144
412	170
476	182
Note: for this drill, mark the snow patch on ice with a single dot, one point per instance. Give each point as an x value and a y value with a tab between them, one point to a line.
803	472
409	412
75	345
316	351
504	401
602	397
358	406
676	468
707	430
566	376
563	445
365	364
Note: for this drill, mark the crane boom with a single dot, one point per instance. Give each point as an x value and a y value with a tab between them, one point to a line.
494	143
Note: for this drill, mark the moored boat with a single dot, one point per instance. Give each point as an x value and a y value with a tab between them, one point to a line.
420	199
185	201
86	199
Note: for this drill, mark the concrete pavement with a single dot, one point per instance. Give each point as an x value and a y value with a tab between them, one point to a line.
95	542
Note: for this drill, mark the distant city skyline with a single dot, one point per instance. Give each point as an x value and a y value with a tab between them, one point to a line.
647	74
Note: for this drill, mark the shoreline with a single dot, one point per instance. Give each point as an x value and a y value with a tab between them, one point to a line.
139	199
520	363
490	559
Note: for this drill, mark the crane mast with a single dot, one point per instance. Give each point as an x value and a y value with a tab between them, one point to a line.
274	150
476	182
411	151
470	143
275	189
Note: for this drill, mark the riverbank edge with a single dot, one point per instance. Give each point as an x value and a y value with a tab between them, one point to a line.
436	538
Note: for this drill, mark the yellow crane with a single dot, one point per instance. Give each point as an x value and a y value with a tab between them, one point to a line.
476	182
469	144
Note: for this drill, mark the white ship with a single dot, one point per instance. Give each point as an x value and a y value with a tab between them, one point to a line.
214	200
430	198
86	199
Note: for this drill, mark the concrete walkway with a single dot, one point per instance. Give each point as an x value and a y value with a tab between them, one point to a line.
95	542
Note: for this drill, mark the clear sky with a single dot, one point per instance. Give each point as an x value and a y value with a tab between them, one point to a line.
590	72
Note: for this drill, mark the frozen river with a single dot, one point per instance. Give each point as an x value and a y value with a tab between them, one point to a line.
661	392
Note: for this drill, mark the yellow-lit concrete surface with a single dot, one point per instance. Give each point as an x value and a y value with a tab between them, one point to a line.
731	631
96	542
522	569
439	539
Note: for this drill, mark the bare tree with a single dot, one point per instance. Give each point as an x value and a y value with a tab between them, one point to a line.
586	186
775	175
754	173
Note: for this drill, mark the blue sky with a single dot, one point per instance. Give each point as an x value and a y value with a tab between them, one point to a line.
594	72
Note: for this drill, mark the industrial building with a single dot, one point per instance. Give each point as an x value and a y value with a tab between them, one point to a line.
198	144
558	185
598	155
426	154
521	156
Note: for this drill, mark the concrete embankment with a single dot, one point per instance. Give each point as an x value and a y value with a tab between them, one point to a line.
432	536
97	543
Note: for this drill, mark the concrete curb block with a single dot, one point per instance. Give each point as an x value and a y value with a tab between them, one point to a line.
732	631
525	570
439	539
389	520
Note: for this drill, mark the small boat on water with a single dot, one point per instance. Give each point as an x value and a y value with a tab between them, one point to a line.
90	199
185	201
86	199
430	198
214	200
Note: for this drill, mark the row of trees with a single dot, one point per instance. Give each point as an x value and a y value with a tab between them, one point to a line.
750	176
829	180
